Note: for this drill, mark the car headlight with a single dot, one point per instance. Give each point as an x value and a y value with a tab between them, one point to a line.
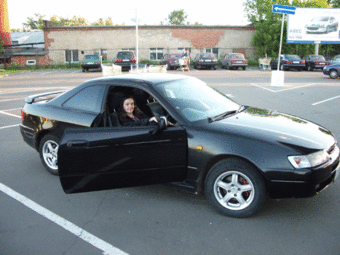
311	160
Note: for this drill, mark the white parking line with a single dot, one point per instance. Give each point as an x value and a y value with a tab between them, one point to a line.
286	89
10	114
329	99
10	126
107	248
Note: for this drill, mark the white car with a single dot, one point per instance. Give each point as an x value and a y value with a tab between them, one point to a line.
322	24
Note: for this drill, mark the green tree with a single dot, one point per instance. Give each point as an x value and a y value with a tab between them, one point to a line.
177	17
102	22
2	46
34	23
74	21
334	3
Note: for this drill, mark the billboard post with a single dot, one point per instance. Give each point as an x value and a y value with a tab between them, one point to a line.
278	76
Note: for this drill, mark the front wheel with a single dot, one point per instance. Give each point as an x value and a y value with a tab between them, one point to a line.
48	150
333	74
235	188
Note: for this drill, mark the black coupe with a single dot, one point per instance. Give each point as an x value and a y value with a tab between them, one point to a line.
235	154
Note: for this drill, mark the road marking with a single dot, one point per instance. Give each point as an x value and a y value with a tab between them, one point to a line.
107	248
329	99
286	89
10	114
10	126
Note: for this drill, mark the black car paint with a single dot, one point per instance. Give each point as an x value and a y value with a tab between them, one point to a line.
261	137
285	65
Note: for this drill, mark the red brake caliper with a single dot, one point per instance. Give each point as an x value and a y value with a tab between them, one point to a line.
247	193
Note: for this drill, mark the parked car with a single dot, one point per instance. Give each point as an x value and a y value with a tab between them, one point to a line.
234	61
233	153
205	60
288	62
332	70
322	24
172	60
91	62
335	60
125	59
315	62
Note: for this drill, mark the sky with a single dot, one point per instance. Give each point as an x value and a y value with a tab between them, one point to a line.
150	12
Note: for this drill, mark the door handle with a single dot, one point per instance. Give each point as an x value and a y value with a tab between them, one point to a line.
80	143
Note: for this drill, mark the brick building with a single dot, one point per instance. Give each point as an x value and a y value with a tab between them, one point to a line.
69	44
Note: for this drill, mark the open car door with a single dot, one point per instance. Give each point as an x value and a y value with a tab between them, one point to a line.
107	158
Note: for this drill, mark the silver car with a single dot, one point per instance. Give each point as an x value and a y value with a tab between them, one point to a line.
322	24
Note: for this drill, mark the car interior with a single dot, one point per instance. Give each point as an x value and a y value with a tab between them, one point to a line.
145	102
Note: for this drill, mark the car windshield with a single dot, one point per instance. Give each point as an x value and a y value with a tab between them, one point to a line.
317	58
125	55
320	19
236	56
91	57
195	100
293	57
208	55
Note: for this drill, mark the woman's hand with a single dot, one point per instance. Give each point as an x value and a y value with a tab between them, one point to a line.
153	119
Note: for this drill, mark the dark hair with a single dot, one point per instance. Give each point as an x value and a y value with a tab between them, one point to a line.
136	111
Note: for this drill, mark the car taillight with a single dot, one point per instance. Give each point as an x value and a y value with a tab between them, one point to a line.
118	60
288	62
303	62
201	60
133	60
97	63
22	115
327	63
83	63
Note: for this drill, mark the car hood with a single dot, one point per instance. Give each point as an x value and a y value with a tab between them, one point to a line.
274	127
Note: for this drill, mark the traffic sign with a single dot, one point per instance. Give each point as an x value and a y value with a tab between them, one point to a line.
284	9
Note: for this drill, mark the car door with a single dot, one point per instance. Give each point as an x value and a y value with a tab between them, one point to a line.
107	158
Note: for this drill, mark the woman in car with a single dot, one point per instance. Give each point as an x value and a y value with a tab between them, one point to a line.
131	115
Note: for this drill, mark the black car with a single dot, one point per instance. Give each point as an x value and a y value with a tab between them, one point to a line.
315	62
205	60
125	59
235	154
288	62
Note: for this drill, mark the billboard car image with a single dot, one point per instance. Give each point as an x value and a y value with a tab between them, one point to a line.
314	25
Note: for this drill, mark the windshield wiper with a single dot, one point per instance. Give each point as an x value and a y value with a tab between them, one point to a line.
226	114
222	116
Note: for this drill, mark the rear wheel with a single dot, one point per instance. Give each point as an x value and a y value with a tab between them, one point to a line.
48	150
235	188
333	74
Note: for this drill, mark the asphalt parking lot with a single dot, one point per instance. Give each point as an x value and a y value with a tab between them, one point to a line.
37	217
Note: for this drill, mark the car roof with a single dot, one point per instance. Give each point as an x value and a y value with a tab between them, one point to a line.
150	78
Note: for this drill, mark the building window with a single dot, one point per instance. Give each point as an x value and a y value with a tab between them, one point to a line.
71	56
212	50
156	53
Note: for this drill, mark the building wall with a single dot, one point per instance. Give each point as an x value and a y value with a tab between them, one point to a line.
22	60
87	40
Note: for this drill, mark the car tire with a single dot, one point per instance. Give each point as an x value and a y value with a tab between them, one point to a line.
333	74
244	68
235	188
48	150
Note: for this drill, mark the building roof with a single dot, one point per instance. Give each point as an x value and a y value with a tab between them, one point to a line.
33	38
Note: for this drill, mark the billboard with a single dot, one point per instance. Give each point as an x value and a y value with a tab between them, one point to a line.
314	25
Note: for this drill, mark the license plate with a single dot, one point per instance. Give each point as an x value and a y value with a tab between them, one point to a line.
239	62
126	60
207	60
90	63
321	63
296	62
